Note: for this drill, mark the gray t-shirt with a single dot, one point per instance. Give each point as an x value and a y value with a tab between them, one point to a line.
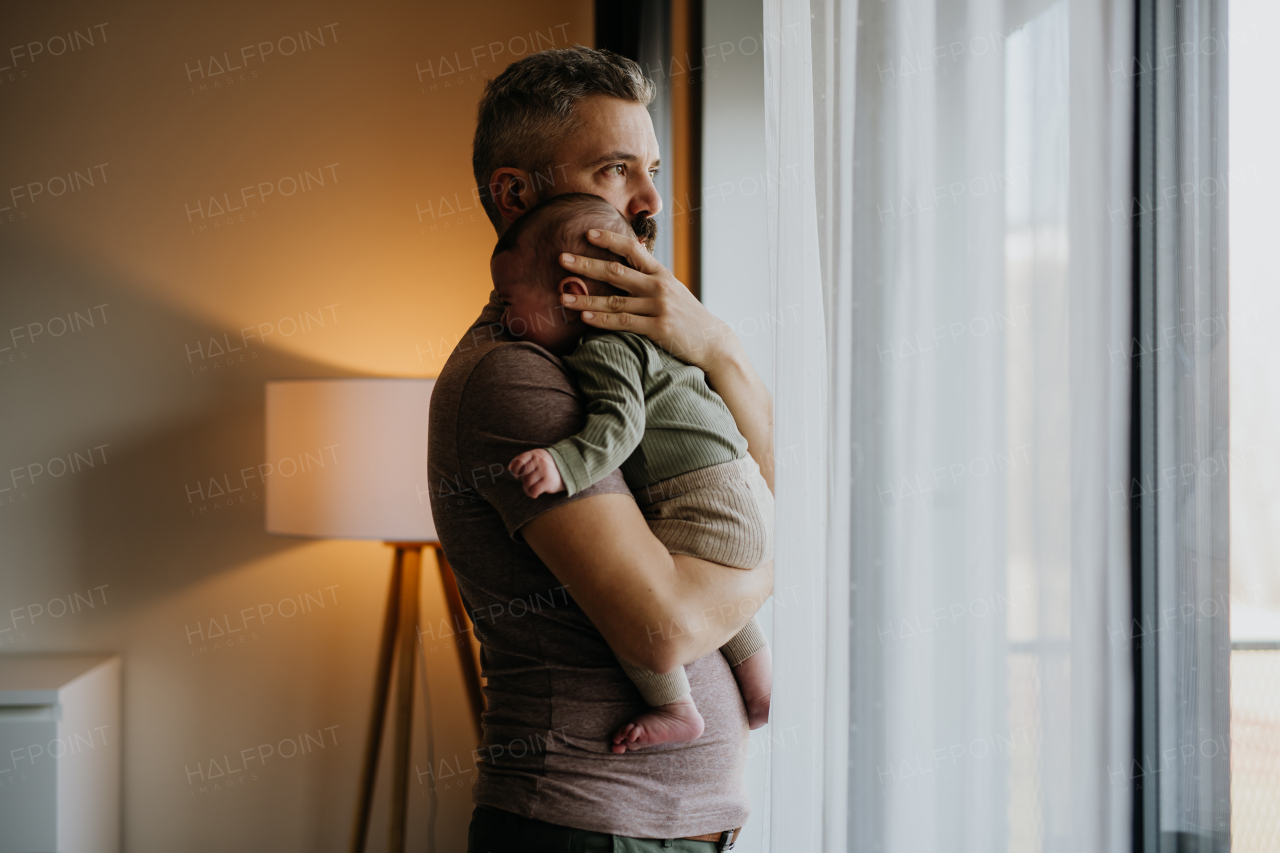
555	691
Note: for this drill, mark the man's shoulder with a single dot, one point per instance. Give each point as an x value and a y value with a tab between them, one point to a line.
502	391
490	380
491	404
485	358
506	370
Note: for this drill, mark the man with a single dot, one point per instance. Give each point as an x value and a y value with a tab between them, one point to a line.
558	585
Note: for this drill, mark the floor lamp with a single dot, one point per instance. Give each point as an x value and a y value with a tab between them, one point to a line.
348	460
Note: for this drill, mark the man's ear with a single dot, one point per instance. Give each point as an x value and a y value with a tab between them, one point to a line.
512	192
573	284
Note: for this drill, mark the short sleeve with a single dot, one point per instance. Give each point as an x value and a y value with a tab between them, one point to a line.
518	398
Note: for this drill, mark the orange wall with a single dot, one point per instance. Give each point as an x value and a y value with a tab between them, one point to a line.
374	100
371	253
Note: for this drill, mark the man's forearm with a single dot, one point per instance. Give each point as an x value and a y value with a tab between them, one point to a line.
712	604
732	376
654	610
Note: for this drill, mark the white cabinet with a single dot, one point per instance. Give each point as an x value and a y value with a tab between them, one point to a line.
59	754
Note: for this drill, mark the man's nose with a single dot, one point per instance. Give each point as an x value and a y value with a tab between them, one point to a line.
646	199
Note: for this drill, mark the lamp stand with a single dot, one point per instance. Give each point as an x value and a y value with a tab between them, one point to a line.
399	631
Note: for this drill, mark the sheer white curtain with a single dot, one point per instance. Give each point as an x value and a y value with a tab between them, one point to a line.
804	579
950	416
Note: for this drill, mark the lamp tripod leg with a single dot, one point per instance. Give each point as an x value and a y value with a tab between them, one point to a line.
381	687
408	650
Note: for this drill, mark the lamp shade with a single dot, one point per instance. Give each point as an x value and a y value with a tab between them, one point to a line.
347	459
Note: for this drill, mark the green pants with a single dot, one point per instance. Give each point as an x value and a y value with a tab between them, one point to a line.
497	831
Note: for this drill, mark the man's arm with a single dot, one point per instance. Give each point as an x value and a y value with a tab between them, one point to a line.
733	377
653	609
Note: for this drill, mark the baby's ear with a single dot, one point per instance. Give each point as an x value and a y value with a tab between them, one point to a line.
573	284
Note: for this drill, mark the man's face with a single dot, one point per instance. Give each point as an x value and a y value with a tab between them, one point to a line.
613	153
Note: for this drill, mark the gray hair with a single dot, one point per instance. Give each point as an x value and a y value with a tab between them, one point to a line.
528	110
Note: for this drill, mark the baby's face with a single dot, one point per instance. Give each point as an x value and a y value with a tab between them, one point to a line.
532	310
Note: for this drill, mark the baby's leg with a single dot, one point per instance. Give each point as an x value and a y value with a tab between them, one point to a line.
672	716
752	663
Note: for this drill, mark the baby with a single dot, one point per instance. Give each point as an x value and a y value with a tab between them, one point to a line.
654	417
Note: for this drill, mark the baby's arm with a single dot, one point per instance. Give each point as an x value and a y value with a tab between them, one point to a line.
610	375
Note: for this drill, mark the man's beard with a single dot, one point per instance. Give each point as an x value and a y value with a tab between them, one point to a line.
646	229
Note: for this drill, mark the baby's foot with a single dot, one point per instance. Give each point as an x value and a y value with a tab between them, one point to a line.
678	722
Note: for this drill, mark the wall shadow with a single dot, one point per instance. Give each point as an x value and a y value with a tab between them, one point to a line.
180	416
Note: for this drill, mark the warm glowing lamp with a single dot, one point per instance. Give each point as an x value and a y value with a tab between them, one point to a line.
350	462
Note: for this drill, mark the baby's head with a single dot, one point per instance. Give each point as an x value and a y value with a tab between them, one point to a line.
529	278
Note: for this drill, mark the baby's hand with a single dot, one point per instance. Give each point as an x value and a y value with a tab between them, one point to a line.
537	471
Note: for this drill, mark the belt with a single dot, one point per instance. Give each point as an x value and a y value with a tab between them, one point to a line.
726	839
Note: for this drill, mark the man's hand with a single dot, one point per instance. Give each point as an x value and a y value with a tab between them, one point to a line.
657	306
662	309
537	472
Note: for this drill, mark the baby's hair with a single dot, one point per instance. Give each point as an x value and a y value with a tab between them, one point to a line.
559	224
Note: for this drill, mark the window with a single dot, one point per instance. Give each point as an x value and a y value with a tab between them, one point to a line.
1252	186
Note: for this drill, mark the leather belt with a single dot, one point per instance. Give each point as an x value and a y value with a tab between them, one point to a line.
726	839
